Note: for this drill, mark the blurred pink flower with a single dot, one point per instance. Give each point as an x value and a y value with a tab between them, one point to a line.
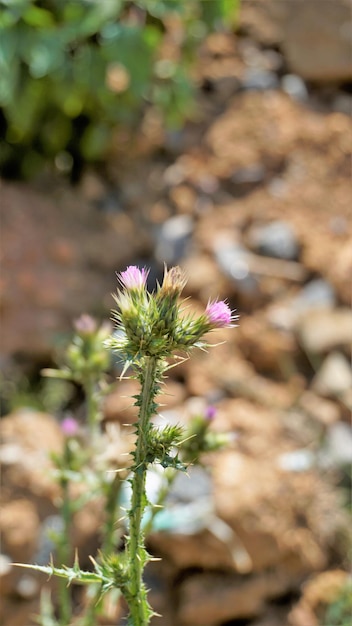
210	413
69	426
85	325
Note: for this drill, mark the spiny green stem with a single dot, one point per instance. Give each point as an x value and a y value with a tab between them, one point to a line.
112	504
63	551
92	407
138	605
107	548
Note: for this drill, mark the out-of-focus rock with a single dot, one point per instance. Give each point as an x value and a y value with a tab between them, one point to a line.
317	294
173	238
324	411
334	376
339	444
295	87
189	533
323	330
268	529
270	350
27	438
53	247
19	525
316	44
343	103
276	239
210	599
259	80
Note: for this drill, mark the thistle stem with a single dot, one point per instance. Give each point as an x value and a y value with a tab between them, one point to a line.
92	407
139	609
63	551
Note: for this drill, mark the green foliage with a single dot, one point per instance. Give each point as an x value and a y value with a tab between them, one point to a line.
339	612
71	71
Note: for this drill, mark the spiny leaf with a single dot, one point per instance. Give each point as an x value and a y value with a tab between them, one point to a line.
71	574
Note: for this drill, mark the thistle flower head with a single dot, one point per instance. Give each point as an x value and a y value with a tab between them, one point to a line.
133	278
219	314
85	325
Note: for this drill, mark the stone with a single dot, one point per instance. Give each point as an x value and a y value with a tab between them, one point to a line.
36	434
247	492
68	245
343	103
339	444
324	329
233	261
317	44
334	376
317	294
320	409
276	239
295	87
19	524
259	80
213	598
173	239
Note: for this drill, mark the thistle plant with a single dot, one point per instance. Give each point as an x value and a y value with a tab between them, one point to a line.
153	329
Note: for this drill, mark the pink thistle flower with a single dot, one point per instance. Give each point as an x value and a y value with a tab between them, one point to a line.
219	314
133	277
69	426
210	413
85	325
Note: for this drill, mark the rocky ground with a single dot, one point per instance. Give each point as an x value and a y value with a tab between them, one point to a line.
253	200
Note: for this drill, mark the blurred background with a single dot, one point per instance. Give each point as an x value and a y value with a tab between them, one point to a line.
213	134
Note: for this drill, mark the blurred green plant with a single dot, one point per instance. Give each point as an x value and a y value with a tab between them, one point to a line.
72	70
339	612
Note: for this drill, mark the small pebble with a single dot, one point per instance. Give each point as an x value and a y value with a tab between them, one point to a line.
296	461
276	239
342	103
233	261
340	443
323	329
173	239
316	294
334	376
259	80
253	174
295	87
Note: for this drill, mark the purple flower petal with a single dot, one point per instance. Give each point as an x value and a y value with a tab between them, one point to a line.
133	277
69	426
210	413
219	314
